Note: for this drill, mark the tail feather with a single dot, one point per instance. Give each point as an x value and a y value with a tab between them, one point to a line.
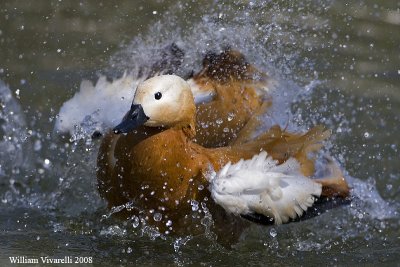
333	184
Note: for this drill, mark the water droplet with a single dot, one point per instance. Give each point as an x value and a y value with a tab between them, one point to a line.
129	250
58	50
168	223
231	115
204	125
195	205
157	216
219	121
135	221
46	162
37	145
273	232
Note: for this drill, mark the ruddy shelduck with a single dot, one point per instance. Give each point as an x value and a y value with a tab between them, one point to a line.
162	169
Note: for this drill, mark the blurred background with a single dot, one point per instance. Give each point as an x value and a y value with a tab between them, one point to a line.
344	56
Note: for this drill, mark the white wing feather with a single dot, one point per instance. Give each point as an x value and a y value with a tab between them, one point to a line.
97	107
262	186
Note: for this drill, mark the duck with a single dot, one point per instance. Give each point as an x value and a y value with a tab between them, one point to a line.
276	193
164	174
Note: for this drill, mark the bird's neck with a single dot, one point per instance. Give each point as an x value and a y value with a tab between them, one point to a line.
188	128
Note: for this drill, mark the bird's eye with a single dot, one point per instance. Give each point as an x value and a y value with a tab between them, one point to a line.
157	96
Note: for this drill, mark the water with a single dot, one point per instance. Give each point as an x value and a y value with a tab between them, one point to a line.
343	59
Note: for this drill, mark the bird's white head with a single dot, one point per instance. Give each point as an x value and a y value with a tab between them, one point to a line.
161	101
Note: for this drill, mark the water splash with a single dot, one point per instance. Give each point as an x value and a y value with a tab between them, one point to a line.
12	133
15	156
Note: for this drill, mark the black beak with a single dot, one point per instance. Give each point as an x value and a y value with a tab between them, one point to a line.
132	119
